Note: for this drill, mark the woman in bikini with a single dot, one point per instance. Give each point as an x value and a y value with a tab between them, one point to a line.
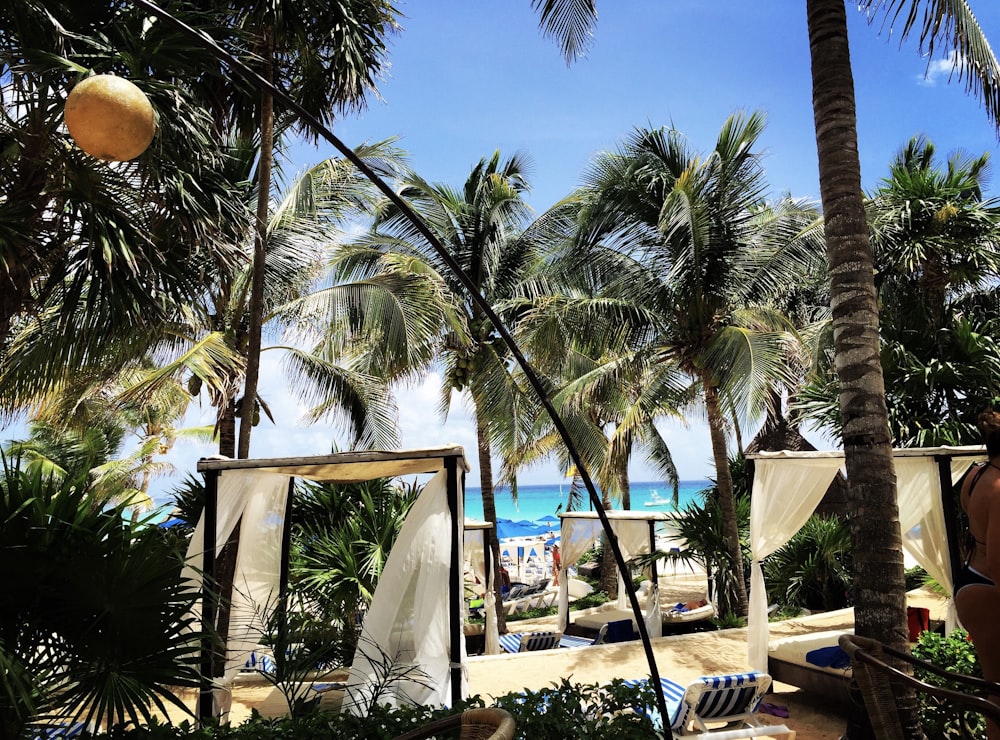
977	596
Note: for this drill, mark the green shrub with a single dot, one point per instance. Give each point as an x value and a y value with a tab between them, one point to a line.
563	710
95	619
955	653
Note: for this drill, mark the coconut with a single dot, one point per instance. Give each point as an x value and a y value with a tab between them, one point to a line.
110	118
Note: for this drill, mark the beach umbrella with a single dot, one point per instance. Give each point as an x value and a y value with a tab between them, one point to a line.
528	523
548	521
507	529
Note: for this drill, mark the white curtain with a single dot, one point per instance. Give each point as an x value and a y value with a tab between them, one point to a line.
257	501
403	656
633	539
793	490
475	546
576	536
654	614
921	516
579	534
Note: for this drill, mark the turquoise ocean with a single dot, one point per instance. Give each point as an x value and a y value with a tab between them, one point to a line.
538	501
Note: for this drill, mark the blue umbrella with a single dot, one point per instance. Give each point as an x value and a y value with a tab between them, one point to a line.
548	521
507	529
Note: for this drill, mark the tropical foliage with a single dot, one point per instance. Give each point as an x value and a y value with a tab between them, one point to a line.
813	570
682	252
937	255
341	538
95	623
114	248
945	28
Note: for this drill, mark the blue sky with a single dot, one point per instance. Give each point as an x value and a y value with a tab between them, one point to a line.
471	76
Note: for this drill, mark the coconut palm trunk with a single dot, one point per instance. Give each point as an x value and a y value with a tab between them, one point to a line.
256	308
737	600
880	592
490	514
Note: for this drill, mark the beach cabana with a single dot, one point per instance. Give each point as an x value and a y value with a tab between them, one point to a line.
636	534
787	487
415	618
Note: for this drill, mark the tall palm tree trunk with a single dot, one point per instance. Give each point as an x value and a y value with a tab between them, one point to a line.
737	600
256	307
227	428
490	514
880	592
609	568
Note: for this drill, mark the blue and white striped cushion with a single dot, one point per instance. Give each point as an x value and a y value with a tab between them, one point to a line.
72	729
673	693
510	643
727	695
723	696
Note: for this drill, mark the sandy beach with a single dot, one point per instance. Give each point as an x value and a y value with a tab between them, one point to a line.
682	658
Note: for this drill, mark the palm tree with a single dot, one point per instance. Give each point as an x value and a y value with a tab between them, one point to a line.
686	253
482	227
942	27
126	243
326	56
94	419
204	343
935	246
932	232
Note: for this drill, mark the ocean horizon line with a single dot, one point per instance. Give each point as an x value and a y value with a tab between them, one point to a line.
632	484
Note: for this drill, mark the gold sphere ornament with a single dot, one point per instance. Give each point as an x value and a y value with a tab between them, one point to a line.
110	118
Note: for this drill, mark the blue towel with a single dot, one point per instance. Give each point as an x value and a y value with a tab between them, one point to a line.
829	657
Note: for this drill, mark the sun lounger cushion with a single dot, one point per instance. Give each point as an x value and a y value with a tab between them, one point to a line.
682	613
797	650
829	657
72	729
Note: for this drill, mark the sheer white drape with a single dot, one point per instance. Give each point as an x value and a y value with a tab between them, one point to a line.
256	500
578	534
633	539
654	613
785	493
576	537
403	654
783	479
475	547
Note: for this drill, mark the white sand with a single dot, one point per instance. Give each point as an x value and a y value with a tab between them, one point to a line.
682	658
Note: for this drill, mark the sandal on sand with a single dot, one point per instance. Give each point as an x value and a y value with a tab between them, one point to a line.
773	709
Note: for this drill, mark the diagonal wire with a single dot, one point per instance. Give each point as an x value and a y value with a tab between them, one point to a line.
235	65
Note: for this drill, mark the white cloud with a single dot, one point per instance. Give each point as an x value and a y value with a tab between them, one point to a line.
938	70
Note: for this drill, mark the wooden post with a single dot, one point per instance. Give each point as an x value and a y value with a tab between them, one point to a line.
455	578
206	704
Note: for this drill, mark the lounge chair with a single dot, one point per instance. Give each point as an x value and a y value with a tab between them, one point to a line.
572	641
730	700
51	732
530	641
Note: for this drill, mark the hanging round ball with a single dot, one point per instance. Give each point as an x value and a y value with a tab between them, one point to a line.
110	118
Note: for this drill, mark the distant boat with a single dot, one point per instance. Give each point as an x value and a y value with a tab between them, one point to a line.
655	499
